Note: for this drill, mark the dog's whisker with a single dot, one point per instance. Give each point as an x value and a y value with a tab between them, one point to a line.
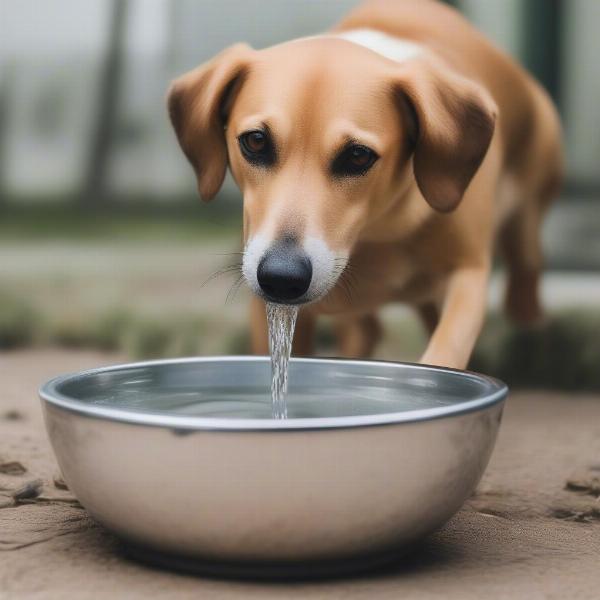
234	289
347	289
351	278
349	281
225	270
239	284
236	268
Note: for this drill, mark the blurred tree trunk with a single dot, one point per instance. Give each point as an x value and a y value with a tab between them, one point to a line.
95	185
543	42
5	87
175	15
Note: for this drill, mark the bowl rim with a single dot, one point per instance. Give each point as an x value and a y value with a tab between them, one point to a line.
49	394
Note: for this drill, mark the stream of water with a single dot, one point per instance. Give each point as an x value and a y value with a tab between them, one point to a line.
281	319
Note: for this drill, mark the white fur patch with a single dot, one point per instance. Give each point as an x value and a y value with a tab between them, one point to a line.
325	268
253	252
389	46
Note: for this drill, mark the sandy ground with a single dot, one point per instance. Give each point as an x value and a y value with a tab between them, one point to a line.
523	535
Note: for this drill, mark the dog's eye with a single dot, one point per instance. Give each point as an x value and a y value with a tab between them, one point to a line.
257	148
354	160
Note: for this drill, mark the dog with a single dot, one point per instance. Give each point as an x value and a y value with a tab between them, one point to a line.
383	161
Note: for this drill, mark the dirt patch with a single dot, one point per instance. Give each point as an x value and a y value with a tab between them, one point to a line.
585	483
59	482
12	415
582	503
33	524
29	491
13	467
524	534
577	516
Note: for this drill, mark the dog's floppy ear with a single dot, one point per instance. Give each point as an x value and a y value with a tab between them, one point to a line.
453	124
198	105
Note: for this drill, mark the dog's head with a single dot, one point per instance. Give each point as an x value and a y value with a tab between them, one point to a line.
322	135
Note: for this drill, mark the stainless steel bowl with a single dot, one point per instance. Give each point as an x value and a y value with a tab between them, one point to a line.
181	459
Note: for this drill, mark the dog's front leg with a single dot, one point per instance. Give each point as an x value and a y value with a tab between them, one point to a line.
461	319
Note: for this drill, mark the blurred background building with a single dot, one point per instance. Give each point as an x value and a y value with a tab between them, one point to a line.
85	139
83	83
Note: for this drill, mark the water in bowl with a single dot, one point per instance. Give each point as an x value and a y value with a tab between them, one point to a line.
281	320
252	401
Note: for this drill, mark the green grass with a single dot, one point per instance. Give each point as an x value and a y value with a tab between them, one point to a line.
19	322
141	336
62	222
564	353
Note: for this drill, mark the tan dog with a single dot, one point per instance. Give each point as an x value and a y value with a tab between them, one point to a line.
379	162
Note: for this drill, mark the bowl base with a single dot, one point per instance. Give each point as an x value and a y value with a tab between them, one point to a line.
301	570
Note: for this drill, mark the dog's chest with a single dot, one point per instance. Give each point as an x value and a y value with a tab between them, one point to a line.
378	274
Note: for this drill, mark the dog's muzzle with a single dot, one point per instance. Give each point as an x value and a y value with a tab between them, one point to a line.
284	273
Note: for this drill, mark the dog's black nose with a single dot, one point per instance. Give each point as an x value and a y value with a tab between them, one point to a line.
284	273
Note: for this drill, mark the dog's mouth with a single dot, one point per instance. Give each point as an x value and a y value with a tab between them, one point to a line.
286	271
